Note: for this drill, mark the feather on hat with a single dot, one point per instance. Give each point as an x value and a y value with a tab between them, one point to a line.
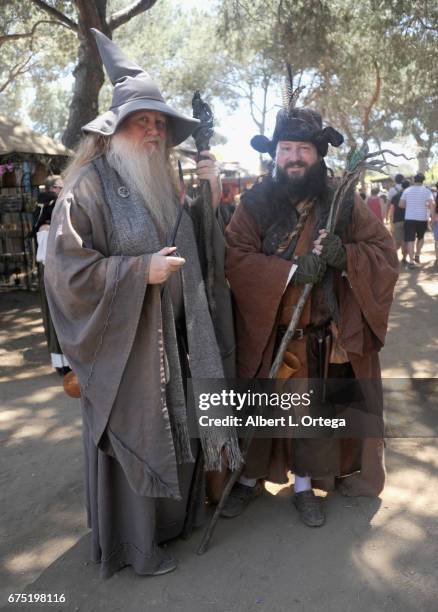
297	124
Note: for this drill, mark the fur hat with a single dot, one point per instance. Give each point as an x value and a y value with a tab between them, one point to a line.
299	124
303	124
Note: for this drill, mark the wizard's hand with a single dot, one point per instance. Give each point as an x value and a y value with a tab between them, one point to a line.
310	269
208	170
163	264
332	250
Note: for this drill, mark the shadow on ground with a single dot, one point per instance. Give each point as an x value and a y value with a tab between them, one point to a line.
372	555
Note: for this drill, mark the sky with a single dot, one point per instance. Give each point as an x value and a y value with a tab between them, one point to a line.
238	128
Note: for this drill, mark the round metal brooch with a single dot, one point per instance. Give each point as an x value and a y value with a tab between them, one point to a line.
123	192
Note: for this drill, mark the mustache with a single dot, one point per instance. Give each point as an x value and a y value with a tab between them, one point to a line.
157	150
158	142
293	189
296	164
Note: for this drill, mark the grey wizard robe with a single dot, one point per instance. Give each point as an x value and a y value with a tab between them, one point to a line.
110	326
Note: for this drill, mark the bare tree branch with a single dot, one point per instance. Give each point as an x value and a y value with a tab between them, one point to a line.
53	12
266	82
346	128
372	102
8	37
239	4
232	85
253	107
425	26
422	22
126	14
18	69
279	11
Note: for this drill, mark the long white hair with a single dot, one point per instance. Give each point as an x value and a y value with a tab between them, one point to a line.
91	146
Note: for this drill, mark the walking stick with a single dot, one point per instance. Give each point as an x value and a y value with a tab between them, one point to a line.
182	197
202	134
225	494
357	161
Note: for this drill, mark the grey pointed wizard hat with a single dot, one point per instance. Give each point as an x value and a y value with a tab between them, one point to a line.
134	90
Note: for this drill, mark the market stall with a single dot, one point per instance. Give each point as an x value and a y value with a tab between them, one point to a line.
26	159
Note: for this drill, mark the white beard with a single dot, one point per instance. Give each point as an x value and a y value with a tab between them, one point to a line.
149	173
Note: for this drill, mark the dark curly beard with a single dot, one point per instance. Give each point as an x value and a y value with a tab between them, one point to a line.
293	189
272	201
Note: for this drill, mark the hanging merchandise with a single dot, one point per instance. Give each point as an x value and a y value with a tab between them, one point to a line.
17	254
18	171
6	168
27	177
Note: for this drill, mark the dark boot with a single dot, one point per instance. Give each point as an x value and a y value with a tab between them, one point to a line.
241	495
310	509
164	563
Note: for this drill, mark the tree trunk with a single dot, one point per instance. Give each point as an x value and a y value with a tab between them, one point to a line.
422	159
424	149
88	73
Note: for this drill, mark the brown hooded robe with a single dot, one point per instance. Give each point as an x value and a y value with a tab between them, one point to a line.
261	303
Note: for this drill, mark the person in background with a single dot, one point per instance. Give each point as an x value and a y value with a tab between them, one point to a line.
397	187
397	220
227	206
385	205
40	231
375	203
417	200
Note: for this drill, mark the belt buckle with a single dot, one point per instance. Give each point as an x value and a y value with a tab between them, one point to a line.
299	333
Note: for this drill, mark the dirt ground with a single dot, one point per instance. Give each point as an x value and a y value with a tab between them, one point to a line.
371	555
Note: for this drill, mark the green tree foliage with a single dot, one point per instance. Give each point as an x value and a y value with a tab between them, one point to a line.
44	48
411	91
261	37
36	52
179	48
370	67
